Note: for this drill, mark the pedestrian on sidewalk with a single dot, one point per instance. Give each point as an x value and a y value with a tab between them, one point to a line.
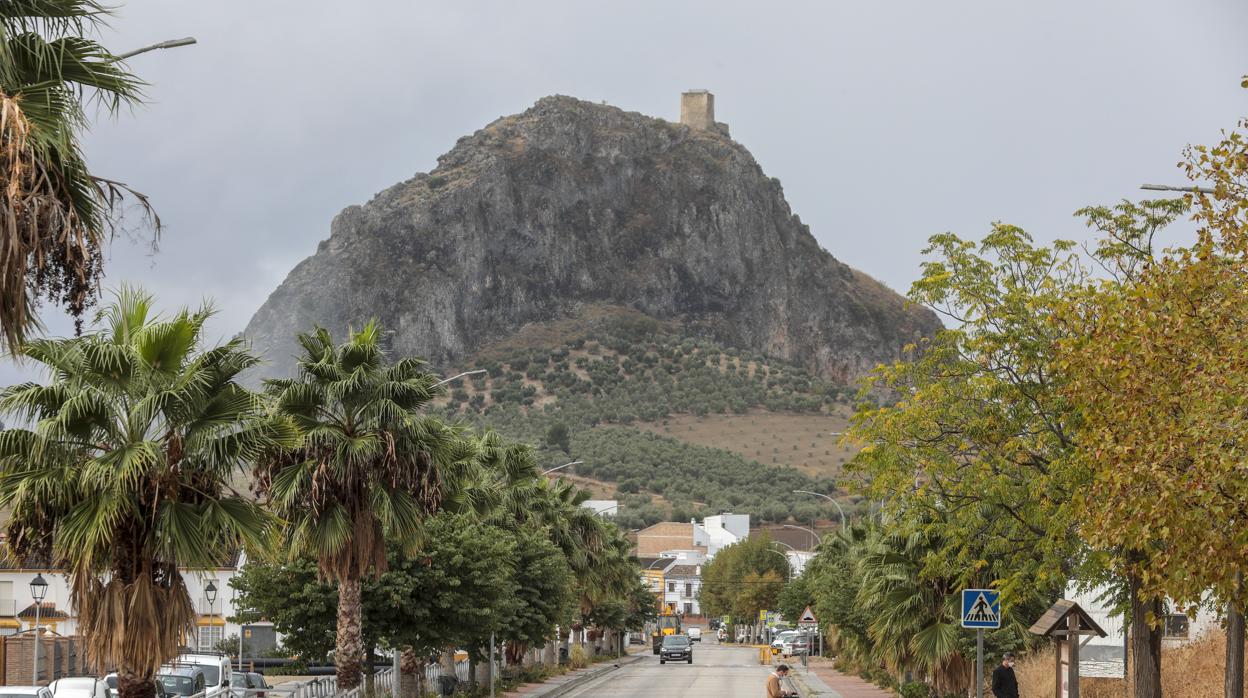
1004	685
773	683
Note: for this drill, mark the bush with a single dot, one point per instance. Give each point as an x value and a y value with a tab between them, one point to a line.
577	659
916	689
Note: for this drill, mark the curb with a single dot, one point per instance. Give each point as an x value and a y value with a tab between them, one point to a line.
567	687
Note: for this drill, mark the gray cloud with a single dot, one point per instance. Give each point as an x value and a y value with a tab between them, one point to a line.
886	121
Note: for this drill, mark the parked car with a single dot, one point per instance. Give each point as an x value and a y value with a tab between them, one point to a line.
25	692
798	644
258	682
248	683
695	634
778	643
676	648
111	682
182	680
79	687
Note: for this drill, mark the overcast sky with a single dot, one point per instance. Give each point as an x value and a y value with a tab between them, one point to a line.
886	122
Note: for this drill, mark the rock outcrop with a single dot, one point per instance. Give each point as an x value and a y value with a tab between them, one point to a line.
539	215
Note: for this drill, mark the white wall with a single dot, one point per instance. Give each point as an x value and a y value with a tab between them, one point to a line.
58	594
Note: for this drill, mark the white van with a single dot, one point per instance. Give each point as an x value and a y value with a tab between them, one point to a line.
216	668
695	634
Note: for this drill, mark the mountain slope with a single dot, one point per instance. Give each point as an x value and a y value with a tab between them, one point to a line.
543	215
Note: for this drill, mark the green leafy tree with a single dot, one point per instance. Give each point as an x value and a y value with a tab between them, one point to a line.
558	435
56	214
743	579
369	467
125	476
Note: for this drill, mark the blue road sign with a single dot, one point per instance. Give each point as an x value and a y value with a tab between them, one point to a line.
981	608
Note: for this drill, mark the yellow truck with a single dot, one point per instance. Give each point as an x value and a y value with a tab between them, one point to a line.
668	623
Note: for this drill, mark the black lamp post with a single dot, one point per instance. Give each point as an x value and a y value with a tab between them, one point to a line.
210	593
38	591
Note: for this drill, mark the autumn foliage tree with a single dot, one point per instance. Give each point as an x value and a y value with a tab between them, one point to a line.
1159	372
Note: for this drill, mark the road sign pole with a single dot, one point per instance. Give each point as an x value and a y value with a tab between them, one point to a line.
979	663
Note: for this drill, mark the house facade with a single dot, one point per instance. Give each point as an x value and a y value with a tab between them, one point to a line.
212	625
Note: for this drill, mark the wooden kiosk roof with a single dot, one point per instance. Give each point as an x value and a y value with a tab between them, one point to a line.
1054	622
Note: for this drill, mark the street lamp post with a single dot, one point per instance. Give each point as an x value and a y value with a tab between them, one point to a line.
814	536
210	594
838	504
38	591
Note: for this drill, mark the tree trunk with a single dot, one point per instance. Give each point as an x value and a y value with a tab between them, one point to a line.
1234	680
550	656
130	685
350	642
448	663
1145	642
411	671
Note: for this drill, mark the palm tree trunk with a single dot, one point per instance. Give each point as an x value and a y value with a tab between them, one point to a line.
130	685
350	643
411	671
1145	642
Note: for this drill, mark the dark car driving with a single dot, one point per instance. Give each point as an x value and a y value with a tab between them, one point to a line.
676	648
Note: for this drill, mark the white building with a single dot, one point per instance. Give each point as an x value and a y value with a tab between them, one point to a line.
17	612
683	584
1103	656
718	532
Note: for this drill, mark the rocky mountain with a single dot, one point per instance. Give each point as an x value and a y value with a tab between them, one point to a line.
572	205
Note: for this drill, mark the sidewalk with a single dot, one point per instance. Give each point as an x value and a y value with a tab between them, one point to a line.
842	685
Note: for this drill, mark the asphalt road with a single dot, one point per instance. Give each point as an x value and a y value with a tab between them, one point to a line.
718	671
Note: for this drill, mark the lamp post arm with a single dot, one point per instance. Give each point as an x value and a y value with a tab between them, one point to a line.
172	43
838	504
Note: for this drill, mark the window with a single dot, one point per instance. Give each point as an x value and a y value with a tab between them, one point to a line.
688	590
688	609
671	587
1176	625
209	636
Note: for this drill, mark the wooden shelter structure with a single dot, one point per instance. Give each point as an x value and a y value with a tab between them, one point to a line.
1066	622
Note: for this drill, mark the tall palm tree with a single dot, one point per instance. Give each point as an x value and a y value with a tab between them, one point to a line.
54	213
369	467
124	474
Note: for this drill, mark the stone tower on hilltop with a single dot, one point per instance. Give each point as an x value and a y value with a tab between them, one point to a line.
697	109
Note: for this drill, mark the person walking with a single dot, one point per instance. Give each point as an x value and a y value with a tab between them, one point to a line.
773	683
1004	684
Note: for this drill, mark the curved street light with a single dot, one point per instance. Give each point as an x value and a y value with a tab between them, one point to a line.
811	531
788	564
838	504
561	467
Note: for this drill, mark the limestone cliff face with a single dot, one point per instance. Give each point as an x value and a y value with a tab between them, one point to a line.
538	215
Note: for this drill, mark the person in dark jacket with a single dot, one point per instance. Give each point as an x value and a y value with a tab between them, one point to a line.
1004	685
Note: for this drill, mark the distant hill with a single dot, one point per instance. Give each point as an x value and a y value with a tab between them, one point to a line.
540	215
641	284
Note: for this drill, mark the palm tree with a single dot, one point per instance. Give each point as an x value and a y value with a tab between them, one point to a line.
124	475
916	617
54	213
369	467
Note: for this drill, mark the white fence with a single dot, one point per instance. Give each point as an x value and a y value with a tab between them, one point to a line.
385	681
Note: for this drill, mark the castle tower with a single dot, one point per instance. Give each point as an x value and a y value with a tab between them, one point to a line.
697	109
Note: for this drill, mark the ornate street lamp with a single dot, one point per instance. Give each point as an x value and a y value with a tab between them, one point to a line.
38	591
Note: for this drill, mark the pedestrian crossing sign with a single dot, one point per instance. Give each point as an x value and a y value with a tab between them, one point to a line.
981	608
